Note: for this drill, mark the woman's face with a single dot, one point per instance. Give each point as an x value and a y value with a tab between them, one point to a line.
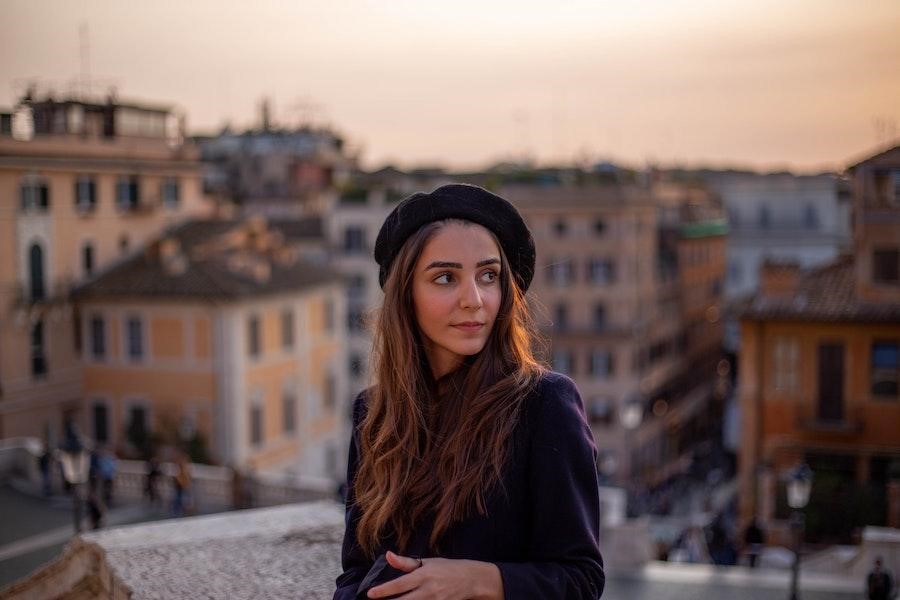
456	293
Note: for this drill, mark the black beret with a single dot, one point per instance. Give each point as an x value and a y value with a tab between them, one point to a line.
458	201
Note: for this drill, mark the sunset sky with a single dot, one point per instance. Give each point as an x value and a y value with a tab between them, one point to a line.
802	84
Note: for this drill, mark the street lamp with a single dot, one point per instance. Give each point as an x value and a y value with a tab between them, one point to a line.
631	414
799	485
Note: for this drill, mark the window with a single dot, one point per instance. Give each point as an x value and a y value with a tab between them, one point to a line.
831	381
287	329
599	227
561	317
602	363
134	328
886	265
356	365
329	398
354	240
356	287
560	227
561	273
734	272
810	217
356	318
600	317
765	217
85	193
289	409
600	410
138	429
786	359
601	271
885	368
127	193
256	424
328	316
38	351
562	361
253	335
170	193
101	423
87	259
34	195
98	338
36	270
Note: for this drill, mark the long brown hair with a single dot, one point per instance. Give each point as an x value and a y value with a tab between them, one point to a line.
437	448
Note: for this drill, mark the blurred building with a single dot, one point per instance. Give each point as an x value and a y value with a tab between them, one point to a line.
274	171
83	184
781	216
629	281
819	372
222	334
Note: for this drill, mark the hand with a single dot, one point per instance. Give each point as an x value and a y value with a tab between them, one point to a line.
441	579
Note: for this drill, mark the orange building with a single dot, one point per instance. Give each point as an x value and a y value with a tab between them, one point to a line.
819	370
222	335
89	185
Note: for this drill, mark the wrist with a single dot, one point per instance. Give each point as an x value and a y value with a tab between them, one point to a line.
487	584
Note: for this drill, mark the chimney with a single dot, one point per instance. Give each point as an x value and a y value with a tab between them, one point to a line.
779	279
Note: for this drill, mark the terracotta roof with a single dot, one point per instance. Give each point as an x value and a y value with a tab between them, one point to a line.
827	293
206	260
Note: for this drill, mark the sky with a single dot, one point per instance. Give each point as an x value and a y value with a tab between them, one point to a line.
805	85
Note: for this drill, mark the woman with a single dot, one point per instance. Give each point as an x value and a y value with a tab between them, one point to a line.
471	468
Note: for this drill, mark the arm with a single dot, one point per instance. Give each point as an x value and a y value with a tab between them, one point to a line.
565	511
353	560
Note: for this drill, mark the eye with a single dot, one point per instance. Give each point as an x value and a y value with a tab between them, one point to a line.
442	279
489	276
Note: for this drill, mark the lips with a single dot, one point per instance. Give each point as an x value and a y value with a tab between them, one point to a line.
469	326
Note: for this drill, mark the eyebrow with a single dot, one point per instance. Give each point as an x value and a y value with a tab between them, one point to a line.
439	264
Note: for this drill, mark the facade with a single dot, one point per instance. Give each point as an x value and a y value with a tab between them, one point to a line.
785	217
615	264
224	335
91	185
819	373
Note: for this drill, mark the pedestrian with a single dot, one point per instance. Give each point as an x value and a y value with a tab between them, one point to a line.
879	583
107	466
45	462
753	542
181	483
472	468
151	481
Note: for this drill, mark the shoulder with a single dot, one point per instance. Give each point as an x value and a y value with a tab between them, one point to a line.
557	391
556	405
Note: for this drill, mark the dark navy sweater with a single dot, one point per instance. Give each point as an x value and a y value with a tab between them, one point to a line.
543	532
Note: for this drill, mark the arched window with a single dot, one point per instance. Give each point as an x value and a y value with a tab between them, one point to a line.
36	270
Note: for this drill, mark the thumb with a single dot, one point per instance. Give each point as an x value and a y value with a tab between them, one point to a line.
402	563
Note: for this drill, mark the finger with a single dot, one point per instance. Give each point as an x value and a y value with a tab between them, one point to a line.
402	584
407	564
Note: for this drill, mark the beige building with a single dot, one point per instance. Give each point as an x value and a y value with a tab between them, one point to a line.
222	334
610	290
86	185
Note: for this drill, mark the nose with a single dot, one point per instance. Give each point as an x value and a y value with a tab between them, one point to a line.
470	296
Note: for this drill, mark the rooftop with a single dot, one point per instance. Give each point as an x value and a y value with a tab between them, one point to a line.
826	293
217	260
